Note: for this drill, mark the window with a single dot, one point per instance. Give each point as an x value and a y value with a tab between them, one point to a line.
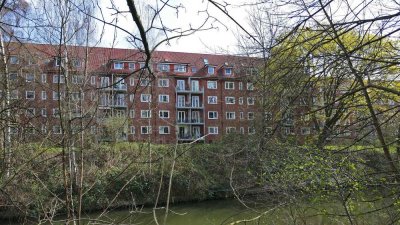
230	130
56	129
230	115
131	97
229	85
213	130
145	97
76	96
268	116
93	80
251	130
145	129
305	131
240	86
163	98
144	82
132	130
212	115
240	100
241	115
13	130
163	83
58	79
212	84
56	95
76	63
194	69
250	101
250	86
212	99
132	81
250	115
131	66
30	95
56	112
163	67
164	114
58	61
118	65
43	128
43	112
163	129
229	100
241	130
30	77
77	79
44	78
30	112
14	60
13	76
44	95
132	113
14	94
228	71
180	68
211	70
145	114
104	82
141	65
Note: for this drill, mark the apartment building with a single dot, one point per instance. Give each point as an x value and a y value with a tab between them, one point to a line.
107	94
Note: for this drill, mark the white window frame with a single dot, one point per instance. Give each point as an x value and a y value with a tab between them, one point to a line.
58	79
31	77
240	86
30	92
117	65
148	130
230	130
251	130
240	101
161	100
230	115
132	130
131	66
250	86
241	115
145	98
161	130
56	95
212	84
250	115
131	113
161	114
58	130
93	80
144	82
145	114
180	68
30	112
43	112
163	83
215	113
56	112
163	67
230	100
212	130
131	97
212	99
228	69
229	85
43	78
250	100
211	70
132	81
14	60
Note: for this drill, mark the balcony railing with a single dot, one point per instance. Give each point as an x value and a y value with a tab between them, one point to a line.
189	90
117	87
189	137
189	105
117	104
190	121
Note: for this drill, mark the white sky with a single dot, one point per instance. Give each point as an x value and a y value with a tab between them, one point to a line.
219	40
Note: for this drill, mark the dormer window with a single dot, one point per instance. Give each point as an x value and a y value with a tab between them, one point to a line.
194	69
57	61
14	60
141	65
163	67
180	68
211	70
118	65
228	71
131	66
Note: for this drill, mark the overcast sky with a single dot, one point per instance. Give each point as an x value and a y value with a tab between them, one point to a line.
221	39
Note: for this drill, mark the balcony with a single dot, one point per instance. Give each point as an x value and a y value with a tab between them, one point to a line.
190	121
119	104
117	87
189	106
190	137
189	90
